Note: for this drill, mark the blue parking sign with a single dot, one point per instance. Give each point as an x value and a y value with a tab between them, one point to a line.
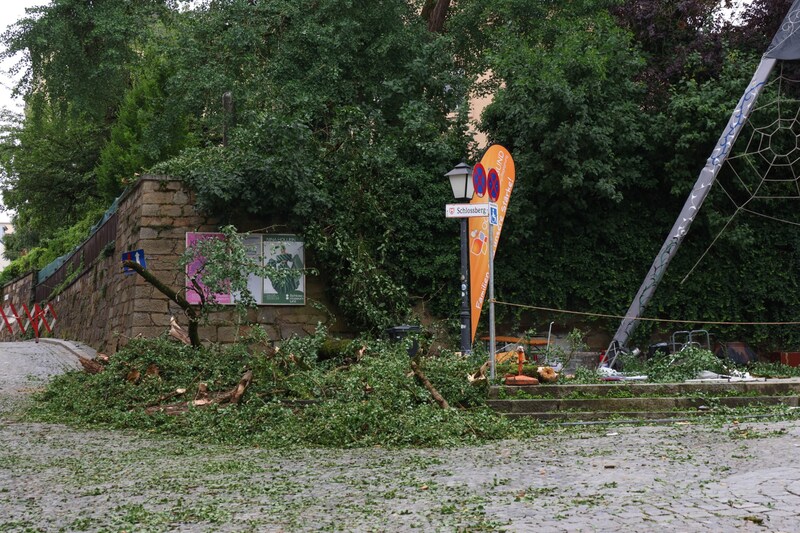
137	256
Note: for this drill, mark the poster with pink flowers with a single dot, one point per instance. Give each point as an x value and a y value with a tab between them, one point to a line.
194	273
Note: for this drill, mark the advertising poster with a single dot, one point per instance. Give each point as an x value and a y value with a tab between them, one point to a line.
286	286
252	244
194	269
284	253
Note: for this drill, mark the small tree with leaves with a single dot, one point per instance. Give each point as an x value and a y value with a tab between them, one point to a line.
223	267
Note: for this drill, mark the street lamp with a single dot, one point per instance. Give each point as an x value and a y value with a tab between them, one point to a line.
463	189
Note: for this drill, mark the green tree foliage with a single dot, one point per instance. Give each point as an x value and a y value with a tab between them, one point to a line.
569	107
347	115
670	33
47	162
79	53
747	275
374	401
595	204
77	64
147	130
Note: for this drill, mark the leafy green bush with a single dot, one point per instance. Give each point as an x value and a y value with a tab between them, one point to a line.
62	242
773	370
675	367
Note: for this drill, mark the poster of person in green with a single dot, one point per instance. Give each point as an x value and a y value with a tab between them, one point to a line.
286	285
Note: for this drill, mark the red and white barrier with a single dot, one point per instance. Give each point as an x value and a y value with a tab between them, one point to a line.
34	320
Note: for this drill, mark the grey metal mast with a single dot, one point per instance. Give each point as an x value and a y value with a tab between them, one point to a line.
785	46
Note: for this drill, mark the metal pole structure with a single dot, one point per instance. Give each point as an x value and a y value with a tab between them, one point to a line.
461	183
492	350
785	46
466	317
701	189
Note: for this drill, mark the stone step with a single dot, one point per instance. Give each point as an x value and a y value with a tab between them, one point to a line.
619	417
627	417
769	387
621	405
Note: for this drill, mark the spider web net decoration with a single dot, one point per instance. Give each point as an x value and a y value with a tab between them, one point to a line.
762	171
764	164
761	175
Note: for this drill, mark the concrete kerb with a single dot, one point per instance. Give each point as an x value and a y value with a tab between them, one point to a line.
75	348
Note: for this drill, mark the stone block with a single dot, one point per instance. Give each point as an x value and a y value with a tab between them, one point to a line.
306	316
191	216
148	233
143	291
226	334
159	246
171	210
272	331
151	210
207	333
180	198
142	320
266	315
153	306
157	197
157	221
146	332
160	321
293	330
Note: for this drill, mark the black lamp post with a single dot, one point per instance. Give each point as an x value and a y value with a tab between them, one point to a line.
461	182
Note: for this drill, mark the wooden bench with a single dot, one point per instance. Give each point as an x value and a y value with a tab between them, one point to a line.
500	357
504	339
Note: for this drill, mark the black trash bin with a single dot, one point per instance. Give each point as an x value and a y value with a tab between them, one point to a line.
660	348
398	333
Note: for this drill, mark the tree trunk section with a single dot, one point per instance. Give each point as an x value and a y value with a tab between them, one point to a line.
191	312
436	15
428	385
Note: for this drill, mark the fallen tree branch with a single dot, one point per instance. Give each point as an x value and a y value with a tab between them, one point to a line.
480	374
175	331
204	398
191	313
90	366
165	397
234	395
428	385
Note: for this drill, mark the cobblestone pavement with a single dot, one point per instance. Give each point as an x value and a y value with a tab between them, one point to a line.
26	366
686	477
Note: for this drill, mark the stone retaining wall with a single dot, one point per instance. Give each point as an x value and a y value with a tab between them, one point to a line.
105	308
16	292
20	290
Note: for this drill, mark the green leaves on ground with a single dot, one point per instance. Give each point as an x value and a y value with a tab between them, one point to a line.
352	400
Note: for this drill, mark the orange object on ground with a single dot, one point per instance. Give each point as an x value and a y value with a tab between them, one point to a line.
502	357
520	379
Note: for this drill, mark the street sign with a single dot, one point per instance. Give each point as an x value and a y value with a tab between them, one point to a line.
494	185
493	214
468	210
479	179
136	256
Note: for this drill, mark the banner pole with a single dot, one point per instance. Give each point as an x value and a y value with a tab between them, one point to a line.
492	350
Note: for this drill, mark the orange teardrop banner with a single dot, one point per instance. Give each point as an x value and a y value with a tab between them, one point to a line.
498	158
